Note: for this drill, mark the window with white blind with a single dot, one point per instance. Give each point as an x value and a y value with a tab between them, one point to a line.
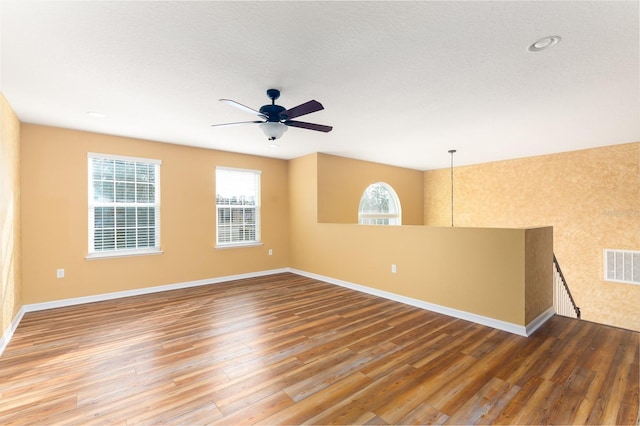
124	205
237	207
379	205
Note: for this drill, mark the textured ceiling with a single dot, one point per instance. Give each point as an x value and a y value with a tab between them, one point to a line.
401	82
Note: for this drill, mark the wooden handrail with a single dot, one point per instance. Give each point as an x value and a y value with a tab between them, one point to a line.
566	287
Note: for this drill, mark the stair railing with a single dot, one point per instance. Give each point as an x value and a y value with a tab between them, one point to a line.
563	301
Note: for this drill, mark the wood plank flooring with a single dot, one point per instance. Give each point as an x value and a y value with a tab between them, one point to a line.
286	349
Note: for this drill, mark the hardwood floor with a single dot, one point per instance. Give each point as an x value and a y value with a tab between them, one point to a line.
286	349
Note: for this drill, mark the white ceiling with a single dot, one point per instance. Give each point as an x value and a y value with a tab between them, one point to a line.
401	82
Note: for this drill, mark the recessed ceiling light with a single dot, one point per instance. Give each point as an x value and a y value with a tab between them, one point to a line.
544	43
96	114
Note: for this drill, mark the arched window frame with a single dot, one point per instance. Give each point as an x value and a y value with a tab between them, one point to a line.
393	215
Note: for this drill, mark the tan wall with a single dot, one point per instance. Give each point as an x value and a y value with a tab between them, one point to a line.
303	206
54	203
342	181
538	286
481	271
10	228
590	197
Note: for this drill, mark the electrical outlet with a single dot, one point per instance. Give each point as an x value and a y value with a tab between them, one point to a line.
270	252
393	269
60	273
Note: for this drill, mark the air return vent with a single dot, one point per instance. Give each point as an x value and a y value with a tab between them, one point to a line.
622	266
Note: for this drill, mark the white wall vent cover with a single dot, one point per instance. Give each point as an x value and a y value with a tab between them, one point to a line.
622	266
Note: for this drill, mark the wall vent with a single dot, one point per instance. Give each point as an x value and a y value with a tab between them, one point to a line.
622	266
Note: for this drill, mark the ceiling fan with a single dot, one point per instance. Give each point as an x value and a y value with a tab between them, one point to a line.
276	119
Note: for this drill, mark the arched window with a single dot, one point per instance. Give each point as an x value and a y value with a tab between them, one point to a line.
379	205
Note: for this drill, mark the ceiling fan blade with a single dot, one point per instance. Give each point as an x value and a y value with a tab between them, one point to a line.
236	123
310	126
302	109
242	107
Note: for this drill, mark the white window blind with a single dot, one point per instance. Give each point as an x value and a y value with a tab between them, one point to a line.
379	205
124	205
622	266
237	206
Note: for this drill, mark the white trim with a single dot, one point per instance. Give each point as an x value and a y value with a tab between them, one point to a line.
147	290
395	219
239	245
229	208
33	307
378	215
540	320
123	253
92	205
6	337
467	316
123	158
235	169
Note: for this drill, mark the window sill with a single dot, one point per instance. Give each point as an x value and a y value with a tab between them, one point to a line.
123	253
238	245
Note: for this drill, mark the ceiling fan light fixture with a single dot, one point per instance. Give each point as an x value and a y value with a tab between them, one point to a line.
276	119
273	129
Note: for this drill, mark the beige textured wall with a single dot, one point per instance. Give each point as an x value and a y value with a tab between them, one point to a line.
590	197
10	228
54	216
342	181
481	271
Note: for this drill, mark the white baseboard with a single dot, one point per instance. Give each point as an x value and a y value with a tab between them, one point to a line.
479	319
6	337
467	316
147	290
539	320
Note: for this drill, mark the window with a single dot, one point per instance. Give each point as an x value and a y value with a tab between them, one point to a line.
622	266
379	205
124	205
237	207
